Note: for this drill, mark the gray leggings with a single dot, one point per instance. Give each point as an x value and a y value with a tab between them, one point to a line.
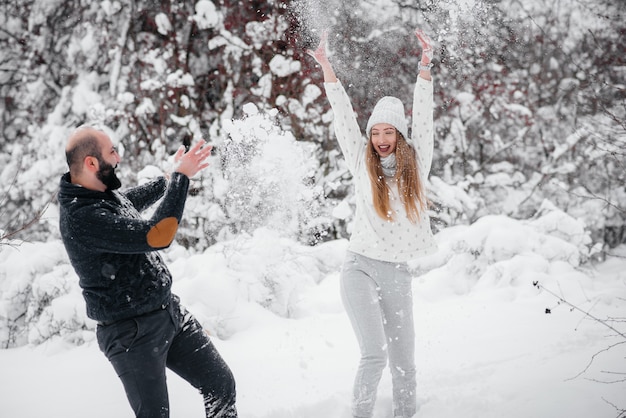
379	302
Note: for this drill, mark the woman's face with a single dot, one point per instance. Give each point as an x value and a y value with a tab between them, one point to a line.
384	139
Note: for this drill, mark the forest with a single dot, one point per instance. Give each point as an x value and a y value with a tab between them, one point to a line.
520	313
530	103
530	107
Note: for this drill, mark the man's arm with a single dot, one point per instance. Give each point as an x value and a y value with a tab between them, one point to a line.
109	227
144	196
116	227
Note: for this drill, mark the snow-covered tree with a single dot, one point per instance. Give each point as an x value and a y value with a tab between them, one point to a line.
529	98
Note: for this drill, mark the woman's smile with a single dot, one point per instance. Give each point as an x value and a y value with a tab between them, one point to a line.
384	137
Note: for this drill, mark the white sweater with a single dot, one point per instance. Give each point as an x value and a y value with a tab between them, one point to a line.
397	240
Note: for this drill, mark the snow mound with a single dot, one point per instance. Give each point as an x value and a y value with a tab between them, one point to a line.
226	286
500	252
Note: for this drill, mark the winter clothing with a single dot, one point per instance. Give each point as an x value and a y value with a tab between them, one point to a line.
388	110
138	349
126	285
110	246
389	165
378	300
375	282
399	240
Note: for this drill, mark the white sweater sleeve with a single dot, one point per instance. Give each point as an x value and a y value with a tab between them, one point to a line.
422	135
347	128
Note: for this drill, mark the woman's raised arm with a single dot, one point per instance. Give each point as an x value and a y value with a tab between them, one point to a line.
321	56
427	54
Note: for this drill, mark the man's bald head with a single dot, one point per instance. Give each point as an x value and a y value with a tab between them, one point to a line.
84	142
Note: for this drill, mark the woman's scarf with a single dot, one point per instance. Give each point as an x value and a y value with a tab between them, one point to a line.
388	164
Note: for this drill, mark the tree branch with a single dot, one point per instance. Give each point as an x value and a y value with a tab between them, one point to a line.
12	234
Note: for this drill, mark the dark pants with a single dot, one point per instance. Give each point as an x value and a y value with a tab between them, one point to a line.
140	349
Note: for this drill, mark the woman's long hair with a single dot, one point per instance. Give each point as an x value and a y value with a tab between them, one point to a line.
410	186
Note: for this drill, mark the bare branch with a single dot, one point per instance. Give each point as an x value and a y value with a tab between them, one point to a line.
9	235
593	357
562	299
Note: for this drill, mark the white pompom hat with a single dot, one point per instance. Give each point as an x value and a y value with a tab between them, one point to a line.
389	110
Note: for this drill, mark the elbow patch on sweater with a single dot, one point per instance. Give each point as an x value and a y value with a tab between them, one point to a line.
162	234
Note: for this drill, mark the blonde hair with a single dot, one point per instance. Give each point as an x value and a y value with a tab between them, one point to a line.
410	186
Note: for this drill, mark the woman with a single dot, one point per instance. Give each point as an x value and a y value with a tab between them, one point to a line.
391	227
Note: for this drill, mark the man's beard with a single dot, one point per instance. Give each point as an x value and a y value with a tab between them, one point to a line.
106	174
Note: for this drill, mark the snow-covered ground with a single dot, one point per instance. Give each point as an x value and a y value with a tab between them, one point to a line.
485	345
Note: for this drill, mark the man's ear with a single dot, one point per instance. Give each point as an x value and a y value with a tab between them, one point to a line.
91	164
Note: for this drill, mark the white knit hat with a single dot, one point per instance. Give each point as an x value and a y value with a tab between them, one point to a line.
389	110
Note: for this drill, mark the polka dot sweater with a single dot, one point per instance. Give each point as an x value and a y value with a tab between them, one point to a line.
397	240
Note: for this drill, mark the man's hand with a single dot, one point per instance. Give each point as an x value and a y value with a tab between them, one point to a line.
193	161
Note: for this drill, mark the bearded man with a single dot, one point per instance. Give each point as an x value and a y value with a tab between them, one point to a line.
141	326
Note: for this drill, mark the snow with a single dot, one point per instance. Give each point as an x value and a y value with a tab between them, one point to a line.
179	79
85	94
110	8
266	31
206	15
485	346
499	309
163	23
283	66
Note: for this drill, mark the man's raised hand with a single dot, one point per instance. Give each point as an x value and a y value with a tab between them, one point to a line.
193	161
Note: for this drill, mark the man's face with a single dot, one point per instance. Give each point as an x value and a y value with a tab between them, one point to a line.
106	174
107	163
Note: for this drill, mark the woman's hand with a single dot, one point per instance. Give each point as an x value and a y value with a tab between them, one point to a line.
321	56
427	54
427	46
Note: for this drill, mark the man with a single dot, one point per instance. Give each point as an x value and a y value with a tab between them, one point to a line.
142	328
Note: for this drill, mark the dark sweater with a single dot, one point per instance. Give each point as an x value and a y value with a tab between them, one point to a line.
114	250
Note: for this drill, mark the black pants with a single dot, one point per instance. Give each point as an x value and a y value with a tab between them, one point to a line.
140	349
